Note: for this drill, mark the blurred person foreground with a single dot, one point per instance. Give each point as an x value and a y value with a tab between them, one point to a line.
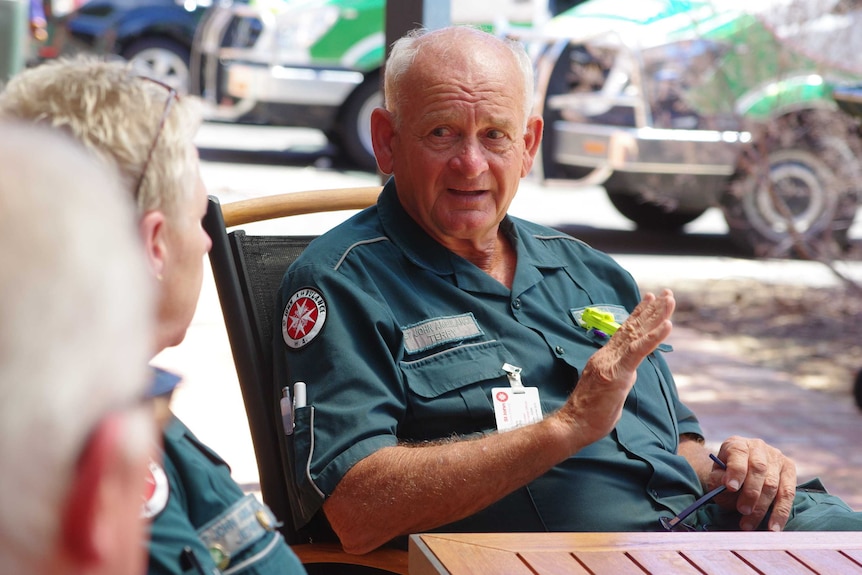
74	433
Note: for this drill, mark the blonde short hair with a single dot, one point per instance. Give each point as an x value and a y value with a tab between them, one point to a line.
115	113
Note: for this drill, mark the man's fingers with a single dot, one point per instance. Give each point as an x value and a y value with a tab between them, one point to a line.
610	373
648	325
783	505
763	477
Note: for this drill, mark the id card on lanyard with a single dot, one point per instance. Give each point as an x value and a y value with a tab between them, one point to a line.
516	405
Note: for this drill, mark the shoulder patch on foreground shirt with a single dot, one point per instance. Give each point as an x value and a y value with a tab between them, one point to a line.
157	491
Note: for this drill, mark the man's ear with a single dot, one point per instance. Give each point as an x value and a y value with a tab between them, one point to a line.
532	141
83	529
152	230
382	133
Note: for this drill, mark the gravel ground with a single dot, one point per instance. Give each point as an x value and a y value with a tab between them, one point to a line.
815	334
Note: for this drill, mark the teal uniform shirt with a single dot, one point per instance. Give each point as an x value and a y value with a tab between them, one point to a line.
398	339
205	503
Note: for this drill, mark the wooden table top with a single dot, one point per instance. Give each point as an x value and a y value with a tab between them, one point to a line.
675	553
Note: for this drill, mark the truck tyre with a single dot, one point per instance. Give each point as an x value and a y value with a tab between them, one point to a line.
161	59
650	216
354	125
796	188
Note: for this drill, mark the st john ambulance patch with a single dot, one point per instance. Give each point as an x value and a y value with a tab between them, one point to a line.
303	318
157	491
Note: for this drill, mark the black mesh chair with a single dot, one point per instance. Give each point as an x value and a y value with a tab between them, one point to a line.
248	270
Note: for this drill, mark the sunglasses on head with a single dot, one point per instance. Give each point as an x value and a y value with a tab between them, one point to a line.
169	101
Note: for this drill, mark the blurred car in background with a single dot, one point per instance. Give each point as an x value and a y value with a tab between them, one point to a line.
849	99
156	35
724	103
315	63
38	23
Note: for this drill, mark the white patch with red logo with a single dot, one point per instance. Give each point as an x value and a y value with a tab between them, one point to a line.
303	318
157	491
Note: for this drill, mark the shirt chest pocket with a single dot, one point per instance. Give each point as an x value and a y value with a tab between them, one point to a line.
449	391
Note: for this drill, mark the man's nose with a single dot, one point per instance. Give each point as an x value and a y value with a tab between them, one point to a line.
469	159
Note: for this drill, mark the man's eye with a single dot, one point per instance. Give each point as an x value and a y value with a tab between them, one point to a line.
440	132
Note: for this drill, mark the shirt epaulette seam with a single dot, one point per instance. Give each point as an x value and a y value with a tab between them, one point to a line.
351	247
560	237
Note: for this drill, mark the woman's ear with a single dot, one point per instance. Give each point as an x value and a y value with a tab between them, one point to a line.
152	230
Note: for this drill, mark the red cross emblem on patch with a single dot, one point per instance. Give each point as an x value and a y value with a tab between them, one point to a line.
156	491
303	318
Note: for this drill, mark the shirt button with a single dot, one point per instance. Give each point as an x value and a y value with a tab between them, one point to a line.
559	349
654	493
516	303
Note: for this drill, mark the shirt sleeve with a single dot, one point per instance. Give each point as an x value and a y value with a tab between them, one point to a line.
351	375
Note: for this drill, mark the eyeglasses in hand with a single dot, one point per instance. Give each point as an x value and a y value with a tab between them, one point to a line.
673	523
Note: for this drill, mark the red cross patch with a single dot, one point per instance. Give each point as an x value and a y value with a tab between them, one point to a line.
156	492
303	318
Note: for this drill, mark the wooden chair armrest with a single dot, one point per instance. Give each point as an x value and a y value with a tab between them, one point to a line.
394	560
296	203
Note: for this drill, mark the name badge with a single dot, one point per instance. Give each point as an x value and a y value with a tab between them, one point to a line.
439	331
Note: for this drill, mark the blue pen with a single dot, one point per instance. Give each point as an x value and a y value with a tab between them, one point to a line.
717	460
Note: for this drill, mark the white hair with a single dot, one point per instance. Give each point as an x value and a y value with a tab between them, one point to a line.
405	49
76	309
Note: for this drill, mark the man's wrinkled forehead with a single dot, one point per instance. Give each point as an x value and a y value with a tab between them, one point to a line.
454	48
451	77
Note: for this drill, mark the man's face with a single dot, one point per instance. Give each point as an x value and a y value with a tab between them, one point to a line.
460	148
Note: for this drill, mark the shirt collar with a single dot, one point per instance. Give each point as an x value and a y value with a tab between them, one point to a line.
417	245
426	252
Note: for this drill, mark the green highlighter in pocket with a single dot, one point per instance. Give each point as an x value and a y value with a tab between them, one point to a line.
595	319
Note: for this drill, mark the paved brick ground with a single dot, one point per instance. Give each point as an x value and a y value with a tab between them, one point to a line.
822	431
